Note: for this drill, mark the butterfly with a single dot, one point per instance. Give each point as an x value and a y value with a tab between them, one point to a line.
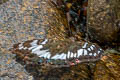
57	48
66	54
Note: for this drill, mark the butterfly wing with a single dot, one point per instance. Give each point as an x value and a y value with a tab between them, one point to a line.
62	53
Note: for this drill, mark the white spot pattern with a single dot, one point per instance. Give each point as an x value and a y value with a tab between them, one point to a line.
95	54
90	54
91	47
85	52
75	55
98	52
68	55
55	57
36	49
20	46
72	55
61	56
44	42
45	55
80	52
25	48
64	57
31	47
40	52
34	43
85	45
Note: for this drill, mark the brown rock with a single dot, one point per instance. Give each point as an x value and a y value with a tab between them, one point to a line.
103	17
108	68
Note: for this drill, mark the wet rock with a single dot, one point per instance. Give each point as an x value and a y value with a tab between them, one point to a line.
102	18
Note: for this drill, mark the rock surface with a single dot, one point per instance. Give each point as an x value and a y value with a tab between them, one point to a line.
102	19
17	18
11	70
108	68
